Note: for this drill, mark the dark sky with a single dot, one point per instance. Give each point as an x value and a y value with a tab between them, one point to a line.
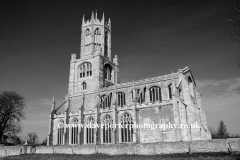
151	38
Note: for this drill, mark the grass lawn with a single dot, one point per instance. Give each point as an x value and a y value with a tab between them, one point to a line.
195	156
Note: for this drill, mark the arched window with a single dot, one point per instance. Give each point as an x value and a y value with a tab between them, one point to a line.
126	128
107	129
155	94
190	85
105	101
74	135
60	132
106	44
107	72
97	38
87	41
132	96
85	70
90	131
121	99
141	95
84	85
180	92
170	91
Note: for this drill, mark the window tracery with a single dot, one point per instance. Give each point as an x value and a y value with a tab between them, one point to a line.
155	94
85	70
107	129
127	128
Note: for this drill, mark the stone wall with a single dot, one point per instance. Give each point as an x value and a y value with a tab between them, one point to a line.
157	115
217	145
12	150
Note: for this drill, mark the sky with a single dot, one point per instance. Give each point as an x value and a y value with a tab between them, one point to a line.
151	38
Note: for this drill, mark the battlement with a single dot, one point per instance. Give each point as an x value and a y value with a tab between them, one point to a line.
96	33
94	20
143	81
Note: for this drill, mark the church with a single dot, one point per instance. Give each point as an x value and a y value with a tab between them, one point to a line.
96	96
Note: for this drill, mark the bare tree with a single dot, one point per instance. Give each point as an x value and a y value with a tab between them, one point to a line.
32	138
11	113
235	20
235	35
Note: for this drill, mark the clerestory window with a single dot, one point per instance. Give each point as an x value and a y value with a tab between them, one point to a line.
155	94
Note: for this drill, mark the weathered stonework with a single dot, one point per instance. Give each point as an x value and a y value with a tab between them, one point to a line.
215	145
95	92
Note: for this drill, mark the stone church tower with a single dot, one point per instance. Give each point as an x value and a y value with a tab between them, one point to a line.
96	96
95	68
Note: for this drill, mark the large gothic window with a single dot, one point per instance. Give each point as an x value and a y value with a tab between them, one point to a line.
107	129
97	38
106	101
126	128
87	41
90	131
106	44
155	94
85	70
107	72
74	139
121	99
102	101
60	132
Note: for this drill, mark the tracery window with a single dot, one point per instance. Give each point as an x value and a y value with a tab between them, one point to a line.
107	129
126	128
107	72
60	132
155	94
74	139
105	102
87	41
121	99
85	70
97	38
90	131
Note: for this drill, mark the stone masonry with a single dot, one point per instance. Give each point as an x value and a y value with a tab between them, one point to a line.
96	96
